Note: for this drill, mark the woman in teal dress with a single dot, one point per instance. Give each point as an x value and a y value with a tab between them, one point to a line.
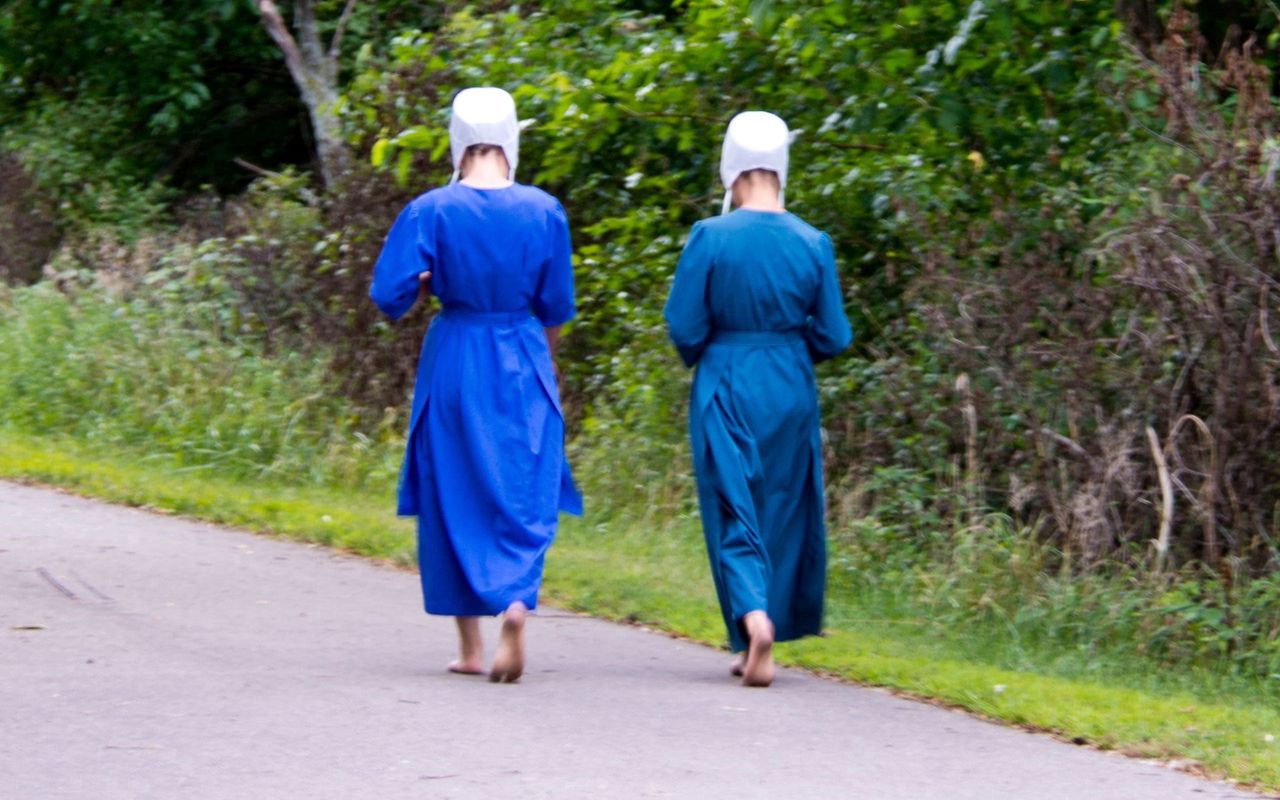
754	305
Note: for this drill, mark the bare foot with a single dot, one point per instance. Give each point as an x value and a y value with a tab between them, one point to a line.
758	670
739	664
508	662
470	659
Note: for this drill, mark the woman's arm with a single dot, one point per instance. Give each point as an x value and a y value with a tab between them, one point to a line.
687	315
553	302
829	332
401	275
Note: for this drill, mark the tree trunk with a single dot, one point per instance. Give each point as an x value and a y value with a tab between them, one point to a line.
315	71
321	99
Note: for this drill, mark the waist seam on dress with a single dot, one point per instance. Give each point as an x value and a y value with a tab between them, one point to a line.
486	317
756	338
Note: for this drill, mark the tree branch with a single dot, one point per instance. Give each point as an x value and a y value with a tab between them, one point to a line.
1166	501
308	196
279	32
304	20
1070	444
631	112
874	148
254	168
335	44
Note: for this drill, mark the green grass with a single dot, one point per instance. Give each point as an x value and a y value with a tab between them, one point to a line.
653	571
346	520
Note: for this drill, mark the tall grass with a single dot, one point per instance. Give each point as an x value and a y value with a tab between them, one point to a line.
136	373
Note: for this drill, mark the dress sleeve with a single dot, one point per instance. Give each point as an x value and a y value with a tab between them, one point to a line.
688	317
553	302
408	251
828	331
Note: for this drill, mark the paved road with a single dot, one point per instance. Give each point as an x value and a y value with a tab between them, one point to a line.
179	660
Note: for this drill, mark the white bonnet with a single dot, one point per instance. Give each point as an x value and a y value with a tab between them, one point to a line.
484	115
754	140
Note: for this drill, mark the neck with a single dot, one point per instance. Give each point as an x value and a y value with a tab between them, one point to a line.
487	172
758	198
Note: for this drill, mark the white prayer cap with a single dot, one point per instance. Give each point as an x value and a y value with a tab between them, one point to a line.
484	115
754	140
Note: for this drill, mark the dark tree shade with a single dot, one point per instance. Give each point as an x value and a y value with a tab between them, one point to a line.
190	85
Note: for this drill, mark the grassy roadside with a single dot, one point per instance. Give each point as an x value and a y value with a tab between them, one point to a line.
654	572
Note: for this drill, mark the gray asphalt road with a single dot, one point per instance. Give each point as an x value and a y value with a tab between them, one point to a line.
149	657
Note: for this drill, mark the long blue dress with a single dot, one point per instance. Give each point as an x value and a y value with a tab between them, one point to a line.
484	468
755	303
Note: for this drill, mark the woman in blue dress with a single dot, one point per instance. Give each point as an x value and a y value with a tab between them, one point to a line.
484	469
755	303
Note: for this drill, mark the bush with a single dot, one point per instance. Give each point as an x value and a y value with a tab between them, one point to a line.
56	146
1146	319
28	235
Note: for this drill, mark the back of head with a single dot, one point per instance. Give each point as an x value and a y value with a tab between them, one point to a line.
754	140
484	116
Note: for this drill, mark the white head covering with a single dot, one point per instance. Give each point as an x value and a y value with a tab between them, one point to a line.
754	140
484	115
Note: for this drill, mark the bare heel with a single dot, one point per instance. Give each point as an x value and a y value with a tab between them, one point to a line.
508	662
758	670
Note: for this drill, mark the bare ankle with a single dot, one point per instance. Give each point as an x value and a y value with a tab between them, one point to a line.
470	644
757	624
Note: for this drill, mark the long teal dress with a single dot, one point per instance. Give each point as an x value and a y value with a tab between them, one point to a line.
754	305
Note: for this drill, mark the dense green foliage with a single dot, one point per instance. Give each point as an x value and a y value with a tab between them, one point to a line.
1054	223
988	174
897	109
110	104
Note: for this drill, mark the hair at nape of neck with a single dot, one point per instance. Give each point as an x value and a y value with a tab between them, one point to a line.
482	152
759	176
757	185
